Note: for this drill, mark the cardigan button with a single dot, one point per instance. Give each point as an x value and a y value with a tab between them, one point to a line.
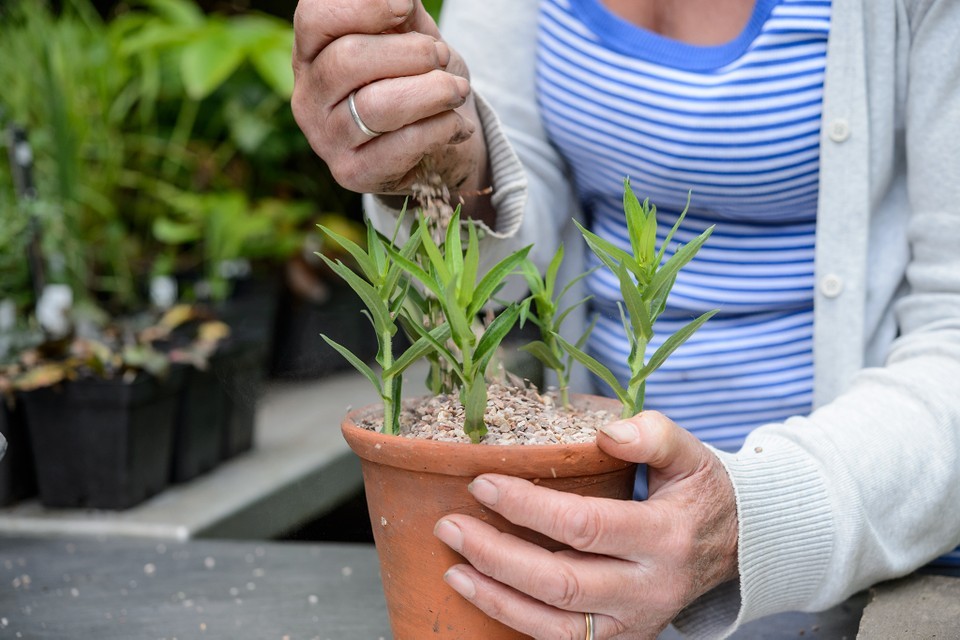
831	285
839	130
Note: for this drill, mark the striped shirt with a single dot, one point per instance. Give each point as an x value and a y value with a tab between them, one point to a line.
738	125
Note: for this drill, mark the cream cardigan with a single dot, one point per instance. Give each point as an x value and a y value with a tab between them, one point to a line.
867	487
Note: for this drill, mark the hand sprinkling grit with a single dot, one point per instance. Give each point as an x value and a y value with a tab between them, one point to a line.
514	415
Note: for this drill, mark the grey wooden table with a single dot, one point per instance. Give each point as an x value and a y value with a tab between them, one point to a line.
132	589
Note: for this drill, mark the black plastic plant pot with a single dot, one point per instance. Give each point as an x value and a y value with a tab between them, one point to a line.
199	424
103	444
18	478
298	350
239	368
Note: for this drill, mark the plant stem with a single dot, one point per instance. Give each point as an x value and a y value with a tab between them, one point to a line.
391	384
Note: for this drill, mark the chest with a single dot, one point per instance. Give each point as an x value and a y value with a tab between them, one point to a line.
697	22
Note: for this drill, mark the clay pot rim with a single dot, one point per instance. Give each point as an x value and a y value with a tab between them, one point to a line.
467	459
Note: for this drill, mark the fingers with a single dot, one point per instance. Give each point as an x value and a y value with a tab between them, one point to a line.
594	525
317	24
570	581
523	613
391	104
651	438
356	60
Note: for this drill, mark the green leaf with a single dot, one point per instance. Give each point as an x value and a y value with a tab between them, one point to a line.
357	363
636	218
539	350
363	259
665	275
184	13
636	307
442	350
168	231
470	267
417	272
648	236
452	248
494	335
566	312
670	345
494	279
463	335
574	281
676	225
534	279
436	257
209	60
582	341
610	254
595	367
550	278
367	293
418	349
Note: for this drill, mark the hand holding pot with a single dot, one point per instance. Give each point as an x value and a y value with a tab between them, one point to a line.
633	565
377	90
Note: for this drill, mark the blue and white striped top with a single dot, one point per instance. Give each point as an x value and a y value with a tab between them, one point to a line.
736	124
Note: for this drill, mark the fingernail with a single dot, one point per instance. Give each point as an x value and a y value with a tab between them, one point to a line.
621	432
460	583
450	534
443	54
463	86
484	491
401	8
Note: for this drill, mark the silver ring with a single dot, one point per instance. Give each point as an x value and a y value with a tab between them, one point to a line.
356	117
589	618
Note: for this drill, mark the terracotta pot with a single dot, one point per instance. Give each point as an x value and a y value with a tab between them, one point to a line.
410	484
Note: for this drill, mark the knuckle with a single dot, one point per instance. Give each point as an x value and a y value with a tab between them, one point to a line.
562	588
581	528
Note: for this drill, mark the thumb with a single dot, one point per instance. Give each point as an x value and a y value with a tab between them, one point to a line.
653	439
418	20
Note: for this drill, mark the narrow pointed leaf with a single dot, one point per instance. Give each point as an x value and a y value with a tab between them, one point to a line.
566	312
648	235
669	238
550	278
357	363
417	350
417	272
363	259
440	349
539	350
494	335
636	307
462	332
452	248
574	281
636	217
436	257
494	278
610	254
586	333
367	293
666	274
471	265
670	345
596	368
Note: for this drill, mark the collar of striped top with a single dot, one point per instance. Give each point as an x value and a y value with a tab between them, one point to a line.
627	38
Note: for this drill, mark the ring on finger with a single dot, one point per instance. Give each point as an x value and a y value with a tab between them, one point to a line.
588	617
352	103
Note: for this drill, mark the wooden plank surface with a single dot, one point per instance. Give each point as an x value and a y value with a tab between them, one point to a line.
134	589
130	589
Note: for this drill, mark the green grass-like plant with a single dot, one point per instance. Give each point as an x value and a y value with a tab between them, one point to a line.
645	284
434	291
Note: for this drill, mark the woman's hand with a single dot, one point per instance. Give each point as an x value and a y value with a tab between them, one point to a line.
634	565
410	90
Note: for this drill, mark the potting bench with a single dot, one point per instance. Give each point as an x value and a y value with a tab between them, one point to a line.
299	469
61	588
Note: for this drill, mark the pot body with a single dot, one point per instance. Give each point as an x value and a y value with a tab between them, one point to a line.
410	484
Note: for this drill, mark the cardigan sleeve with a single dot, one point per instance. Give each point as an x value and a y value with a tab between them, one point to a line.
867	488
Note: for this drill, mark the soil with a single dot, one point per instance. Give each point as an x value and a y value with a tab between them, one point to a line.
514	415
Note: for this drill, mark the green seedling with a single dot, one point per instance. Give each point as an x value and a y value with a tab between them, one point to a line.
645	284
